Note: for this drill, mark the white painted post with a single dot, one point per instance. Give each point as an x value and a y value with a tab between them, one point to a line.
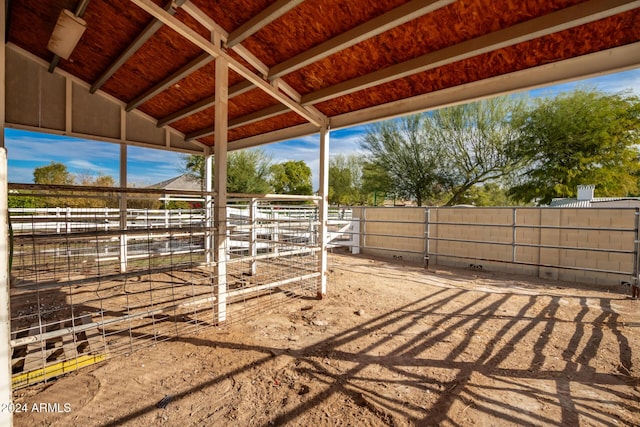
275	232
6	417
58	223
220	186
355	236
122	207
253	233
208	205
324	208
5	310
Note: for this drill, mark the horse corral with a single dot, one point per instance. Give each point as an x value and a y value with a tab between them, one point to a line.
394	345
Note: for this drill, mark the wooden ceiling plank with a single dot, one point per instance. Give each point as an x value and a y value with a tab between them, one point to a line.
187	111
193	65
235	90
265	113
393	18
256	116
234	64
262	19
209	130
581	67
139	41
573	16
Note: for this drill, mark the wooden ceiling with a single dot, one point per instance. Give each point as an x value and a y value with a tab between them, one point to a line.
299	63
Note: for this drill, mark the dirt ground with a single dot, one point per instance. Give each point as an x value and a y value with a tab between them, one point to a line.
391	344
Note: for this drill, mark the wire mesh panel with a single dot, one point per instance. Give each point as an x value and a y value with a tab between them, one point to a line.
88	284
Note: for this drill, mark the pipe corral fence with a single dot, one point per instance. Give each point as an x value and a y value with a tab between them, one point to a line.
88	284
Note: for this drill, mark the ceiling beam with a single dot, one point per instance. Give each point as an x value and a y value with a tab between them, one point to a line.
581	67
206	21
393	18
139	41
398	16
256	116
262	19
195	38
538	27
235	90
193	65
82	6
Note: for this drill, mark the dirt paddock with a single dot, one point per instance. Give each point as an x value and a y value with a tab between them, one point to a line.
391	344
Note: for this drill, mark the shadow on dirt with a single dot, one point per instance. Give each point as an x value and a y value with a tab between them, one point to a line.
444	343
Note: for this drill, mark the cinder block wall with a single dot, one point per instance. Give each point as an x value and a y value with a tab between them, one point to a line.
392	232
587	245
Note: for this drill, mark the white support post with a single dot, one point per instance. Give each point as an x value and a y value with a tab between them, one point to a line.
355	236
324	208
253	233
5	310
220	186
123	208
208	206
6	417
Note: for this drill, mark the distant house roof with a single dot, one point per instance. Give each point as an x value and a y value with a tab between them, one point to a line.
182	182
597	202
585	199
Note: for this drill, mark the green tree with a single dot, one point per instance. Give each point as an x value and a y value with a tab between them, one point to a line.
247	171
291	177
401	148
53	174
23	199
376	183
580	137
488	194
476	142
345	180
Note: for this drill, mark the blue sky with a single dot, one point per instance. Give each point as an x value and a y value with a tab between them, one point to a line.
148	166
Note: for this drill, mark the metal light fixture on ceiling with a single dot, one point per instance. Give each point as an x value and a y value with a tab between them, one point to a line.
66	34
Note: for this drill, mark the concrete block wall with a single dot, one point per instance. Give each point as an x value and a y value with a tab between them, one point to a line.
588	245
393	232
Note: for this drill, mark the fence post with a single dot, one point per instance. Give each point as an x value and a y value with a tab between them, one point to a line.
355	236
636	255
514	234
122	207
253	234
426	238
